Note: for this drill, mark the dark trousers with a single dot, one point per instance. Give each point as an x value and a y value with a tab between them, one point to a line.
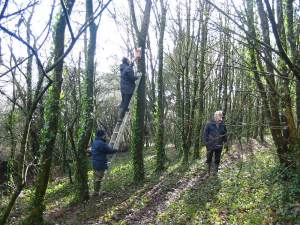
210	153
125	101
124	105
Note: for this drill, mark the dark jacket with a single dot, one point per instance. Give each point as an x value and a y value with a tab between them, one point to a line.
127	78
215	137
99	151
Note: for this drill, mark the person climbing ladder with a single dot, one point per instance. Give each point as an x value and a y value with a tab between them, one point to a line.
127	83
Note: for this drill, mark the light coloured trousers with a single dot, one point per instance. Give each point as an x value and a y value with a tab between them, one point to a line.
98	175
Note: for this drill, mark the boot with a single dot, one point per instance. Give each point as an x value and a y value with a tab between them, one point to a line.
216	169
121	114
208	168
97	185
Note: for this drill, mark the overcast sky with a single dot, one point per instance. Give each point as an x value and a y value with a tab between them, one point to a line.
110	46
109	40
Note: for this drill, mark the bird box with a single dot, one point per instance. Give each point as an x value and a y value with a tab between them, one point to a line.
138	53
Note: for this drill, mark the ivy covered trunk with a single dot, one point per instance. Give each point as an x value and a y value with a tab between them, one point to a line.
200	110
294	48
187	126
160	145
178	110
138	127
52	112
279	112
82	193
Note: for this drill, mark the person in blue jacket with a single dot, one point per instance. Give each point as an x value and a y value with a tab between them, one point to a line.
127	85
215	137
99	151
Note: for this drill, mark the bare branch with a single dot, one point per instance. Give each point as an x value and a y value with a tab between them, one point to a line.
15	66
27	58
21	10
10	99
71	45
243	29
134	22
38	97
82	30
31	48
67	18
48	25
3	9
282	52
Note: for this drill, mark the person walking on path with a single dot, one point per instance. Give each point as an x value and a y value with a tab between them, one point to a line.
215	137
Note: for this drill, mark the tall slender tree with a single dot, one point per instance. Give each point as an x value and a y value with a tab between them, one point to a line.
200	111
160	144
88	107
138	126
51	122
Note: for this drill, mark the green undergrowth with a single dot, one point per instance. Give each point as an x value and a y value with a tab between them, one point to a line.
163	183
249	191
118	186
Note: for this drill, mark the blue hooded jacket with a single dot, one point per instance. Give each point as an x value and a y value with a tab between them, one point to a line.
99	151
127	78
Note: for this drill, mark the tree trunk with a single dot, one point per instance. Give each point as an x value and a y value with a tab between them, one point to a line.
85	132
51	124
274	100
200	111
178	123
160	128
293	48
138	127
186	104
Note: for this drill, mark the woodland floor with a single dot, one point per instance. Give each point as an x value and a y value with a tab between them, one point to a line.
247	190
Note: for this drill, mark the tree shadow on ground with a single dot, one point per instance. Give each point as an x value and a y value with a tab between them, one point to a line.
198	198
119	195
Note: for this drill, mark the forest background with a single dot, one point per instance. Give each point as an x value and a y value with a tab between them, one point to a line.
59	66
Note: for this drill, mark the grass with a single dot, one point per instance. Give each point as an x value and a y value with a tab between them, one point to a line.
249	190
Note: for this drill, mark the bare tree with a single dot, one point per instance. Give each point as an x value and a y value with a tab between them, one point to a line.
138	127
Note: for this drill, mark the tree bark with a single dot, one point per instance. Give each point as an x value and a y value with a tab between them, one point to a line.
85	132
200	111
274	100
138	127
160	127
51	124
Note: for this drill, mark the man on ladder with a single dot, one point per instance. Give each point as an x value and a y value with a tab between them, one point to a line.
99	147
127	84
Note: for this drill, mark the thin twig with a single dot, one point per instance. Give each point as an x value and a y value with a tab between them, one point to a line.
3	9
30	47
21	10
